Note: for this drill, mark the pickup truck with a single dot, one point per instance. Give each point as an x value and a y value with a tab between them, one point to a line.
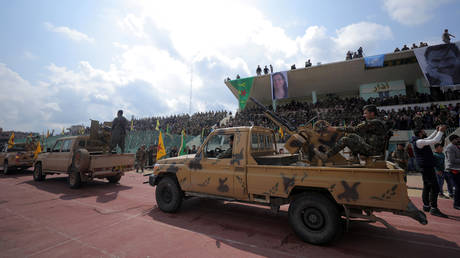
16	157
322	199
82	161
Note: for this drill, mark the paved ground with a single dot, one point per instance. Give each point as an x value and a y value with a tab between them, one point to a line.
47	219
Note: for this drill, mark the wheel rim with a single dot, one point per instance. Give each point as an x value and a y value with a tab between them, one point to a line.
313	219
166	195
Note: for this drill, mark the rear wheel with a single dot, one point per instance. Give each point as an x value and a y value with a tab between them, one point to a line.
315	218
5	168
38	173
114	179
74	178
168	195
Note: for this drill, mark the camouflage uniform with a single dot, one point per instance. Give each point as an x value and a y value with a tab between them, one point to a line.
368	138
401	157
119	126
140	159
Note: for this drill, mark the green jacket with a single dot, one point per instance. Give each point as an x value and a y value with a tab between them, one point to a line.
439	159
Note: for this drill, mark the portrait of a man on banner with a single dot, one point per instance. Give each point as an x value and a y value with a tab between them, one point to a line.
440	64
279	85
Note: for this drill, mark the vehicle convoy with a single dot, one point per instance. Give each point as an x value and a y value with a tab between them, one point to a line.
19	156
241	164
83	158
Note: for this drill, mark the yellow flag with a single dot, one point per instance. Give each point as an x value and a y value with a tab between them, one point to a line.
38	150
161	152
281	132
132	125
47	133
158	125
63	131
11	141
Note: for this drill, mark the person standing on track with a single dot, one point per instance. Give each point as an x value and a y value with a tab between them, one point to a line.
426	161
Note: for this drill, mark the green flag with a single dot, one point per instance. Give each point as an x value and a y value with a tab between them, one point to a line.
183	145
243	86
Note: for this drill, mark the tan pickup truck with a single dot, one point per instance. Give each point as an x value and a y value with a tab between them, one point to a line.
82	161
17	157
241	164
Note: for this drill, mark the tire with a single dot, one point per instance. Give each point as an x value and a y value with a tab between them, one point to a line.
74	178
80	159
114	179
168	195
6	169
315	218
38	173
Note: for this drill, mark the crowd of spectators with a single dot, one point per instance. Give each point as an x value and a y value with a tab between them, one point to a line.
405	47
193	124
348	112
356	54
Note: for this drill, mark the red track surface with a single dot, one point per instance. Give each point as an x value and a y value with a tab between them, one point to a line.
47	219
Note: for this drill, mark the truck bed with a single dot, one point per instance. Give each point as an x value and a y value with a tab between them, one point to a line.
380	188
110	161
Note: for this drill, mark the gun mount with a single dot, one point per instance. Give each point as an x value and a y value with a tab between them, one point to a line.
99	136
305	138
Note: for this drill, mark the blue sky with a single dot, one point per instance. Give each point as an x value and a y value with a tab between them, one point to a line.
65	62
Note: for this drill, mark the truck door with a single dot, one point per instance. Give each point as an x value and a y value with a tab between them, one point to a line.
215	175
64	157
50	161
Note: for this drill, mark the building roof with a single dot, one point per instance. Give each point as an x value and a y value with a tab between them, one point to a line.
339	77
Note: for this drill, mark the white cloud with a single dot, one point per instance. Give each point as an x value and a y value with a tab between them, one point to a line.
21	102
365	34
69	33
412	12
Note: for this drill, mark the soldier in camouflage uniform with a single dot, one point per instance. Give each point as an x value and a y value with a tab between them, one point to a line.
119	125
367	138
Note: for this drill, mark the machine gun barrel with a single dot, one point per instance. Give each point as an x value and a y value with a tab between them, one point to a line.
281	122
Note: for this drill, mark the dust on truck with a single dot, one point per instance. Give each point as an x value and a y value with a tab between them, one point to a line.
321	197
84	158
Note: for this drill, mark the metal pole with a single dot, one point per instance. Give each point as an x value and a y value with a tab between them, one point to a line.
191	87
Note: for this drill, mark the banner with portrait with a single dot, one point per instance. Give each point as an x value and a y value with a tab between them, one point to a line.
382	89
440	64
279	85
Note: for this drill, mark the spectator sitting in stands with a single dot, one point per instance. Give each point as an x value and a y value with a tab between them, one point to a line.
397	50
308	63
293	67
413	46
404	48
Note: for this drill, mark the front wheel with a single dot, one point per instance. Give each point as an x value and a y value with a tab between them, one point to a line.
38	173
74	178
168	195
314	218
114	179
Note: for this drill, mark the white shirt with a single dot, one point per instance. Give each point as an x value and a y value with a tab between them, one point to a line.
435	137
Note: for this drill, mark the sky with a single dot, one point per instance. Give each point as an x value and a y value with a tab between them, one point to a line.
63	63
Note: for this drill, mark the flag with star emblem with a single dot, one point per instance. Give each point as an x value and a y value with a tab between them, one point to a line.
243	86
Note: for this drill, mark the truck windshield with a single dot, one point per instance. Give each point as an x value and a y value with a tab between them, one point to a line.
219	143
